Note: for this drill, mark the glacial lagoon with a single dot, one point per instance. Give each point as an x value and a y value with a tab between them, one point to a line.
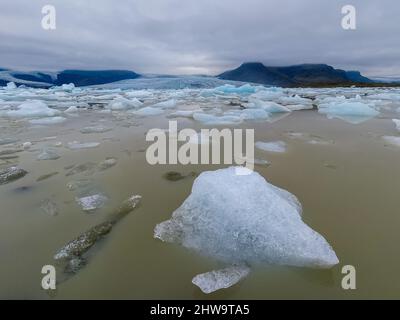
83	153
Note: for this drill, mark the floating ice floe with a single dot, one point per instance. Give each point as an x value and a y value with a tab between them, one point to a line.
11	86
148	111
245	89
397	123
168	104
48	154
244	220
48	121
95	129
184	113
31	109
273	146
248	114
75	145
121	103
220	279
395	141
92	202
296	100
353	112
209	119
309	138
72	109
108	163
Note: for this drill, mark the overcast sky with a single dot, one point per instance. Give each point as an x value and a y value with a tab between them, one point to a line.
199	36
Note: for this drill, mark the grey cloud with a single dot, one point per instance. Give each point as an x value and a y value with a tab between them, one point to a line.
192	36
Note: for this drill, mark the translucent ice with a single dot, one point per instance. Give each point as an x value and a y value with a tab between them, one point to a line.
353	112
165	104
274	146
48	120
397	123
121	103
220	279
148	111
210	119
244	219
75	145
31	109
395	141
92	202
245	89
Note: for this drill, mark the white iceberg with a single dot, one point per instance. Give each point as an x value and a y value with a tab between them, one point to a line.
243	219
395	141
148	111
353	112
245	89
169	104
11	86
397	123
273	146
31	109
121	103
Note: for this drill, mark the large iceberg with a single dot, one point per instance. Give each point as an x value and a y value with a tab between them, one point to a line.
243	219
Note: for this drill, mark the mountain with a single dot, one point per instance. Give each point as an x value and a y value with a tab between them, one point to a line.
88	78
290	76
77	77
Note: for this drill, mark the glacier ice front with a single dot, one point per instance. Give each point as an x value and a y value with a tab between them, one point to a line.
244	219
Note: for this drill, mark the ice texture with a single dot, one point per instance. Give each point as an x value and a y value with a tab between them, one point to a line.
244	219
121	103
395	141
75	145
397	123
209	119
274	146
148	111
92	202
351	111
220	279
31	109
48	121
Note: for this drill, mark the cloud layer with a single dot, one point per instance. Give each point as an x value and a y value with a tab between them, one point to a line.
192	36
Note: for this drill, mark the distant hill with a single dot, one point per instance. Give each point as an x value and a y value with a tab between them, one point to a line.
298	75
77	77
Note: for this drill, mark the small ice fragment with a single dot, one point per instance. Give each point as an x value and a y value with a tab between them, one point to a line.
75	145
274	146
220	279
26	145
395	141
92	202
71	109
48	154
165	104
397	123
121	103
148	111
209	119
11	86
108	163
48	121
95	129
49	207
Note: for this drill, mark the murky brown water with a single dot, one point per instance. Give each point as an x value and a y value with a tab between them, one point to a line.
349	191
